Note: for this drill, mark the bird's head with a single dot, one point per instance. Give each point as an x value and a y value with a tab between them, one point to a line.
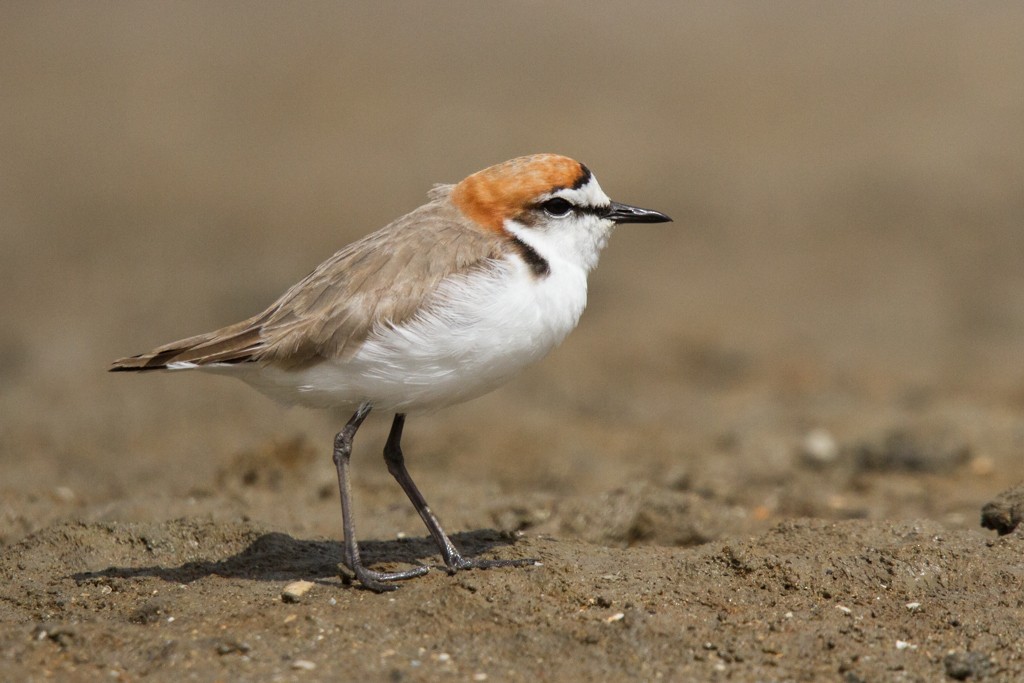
551	202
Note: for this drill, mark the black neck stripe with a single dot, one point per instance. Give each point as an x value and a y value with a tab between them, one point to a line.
538	264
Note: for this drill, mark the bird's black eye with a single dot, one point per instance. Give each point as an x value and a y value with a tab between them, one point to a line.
557	207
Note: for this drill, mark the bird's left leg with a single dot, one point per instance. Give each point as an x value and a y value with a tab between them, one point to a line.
453	559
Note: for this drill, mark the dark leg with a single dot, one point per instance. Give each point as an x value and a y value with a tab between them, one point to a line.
342	452
396	466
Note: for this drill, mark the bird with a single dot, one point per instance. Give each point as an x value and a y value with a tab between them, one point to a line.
440	306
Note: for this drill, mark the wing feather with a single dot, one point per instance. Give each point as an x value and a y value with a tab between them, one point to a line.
383	279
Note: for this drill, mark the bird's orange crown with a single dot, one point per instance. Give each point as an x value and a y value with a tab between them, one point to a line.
502	191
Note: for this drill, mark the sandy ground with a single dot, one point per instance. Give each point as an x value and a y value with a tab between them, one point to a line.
763	455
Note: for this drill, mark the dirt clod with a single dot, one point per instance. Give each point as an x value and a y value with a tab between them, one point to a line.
961	666
1005	512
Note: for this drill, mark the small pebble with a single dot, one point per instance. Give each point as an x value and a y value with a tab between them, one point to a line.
819	446
64	494
844	610
913	606
618	616
294	591
227	647
303	664
982	466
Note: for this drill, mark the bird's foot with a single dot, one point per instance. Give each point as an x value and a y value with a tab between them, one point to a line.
380	582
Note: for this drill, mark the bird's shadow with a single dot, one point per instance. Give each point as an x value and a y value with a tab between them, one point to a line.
279	557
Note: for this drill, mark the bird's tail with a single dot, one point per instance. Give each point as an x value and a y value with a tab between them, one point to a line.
234	344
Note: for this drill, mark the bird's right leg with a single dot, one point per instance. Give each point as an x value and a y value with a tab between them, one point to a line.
342	453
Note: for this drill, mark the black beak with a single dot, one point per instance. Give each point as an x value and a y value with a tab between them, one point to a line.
624	213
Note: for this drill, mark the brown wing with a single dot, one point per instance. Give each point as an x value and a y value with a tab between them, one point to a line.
385	277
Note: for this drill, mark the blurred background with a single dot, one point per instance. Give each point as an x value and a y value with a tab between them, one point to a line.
846	179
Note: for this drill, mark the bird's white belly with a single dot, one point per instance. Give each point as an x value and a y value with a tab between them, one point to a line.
479	331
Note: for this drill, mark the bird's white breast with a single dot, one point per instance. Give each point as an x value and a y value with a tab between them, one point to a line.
476	332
